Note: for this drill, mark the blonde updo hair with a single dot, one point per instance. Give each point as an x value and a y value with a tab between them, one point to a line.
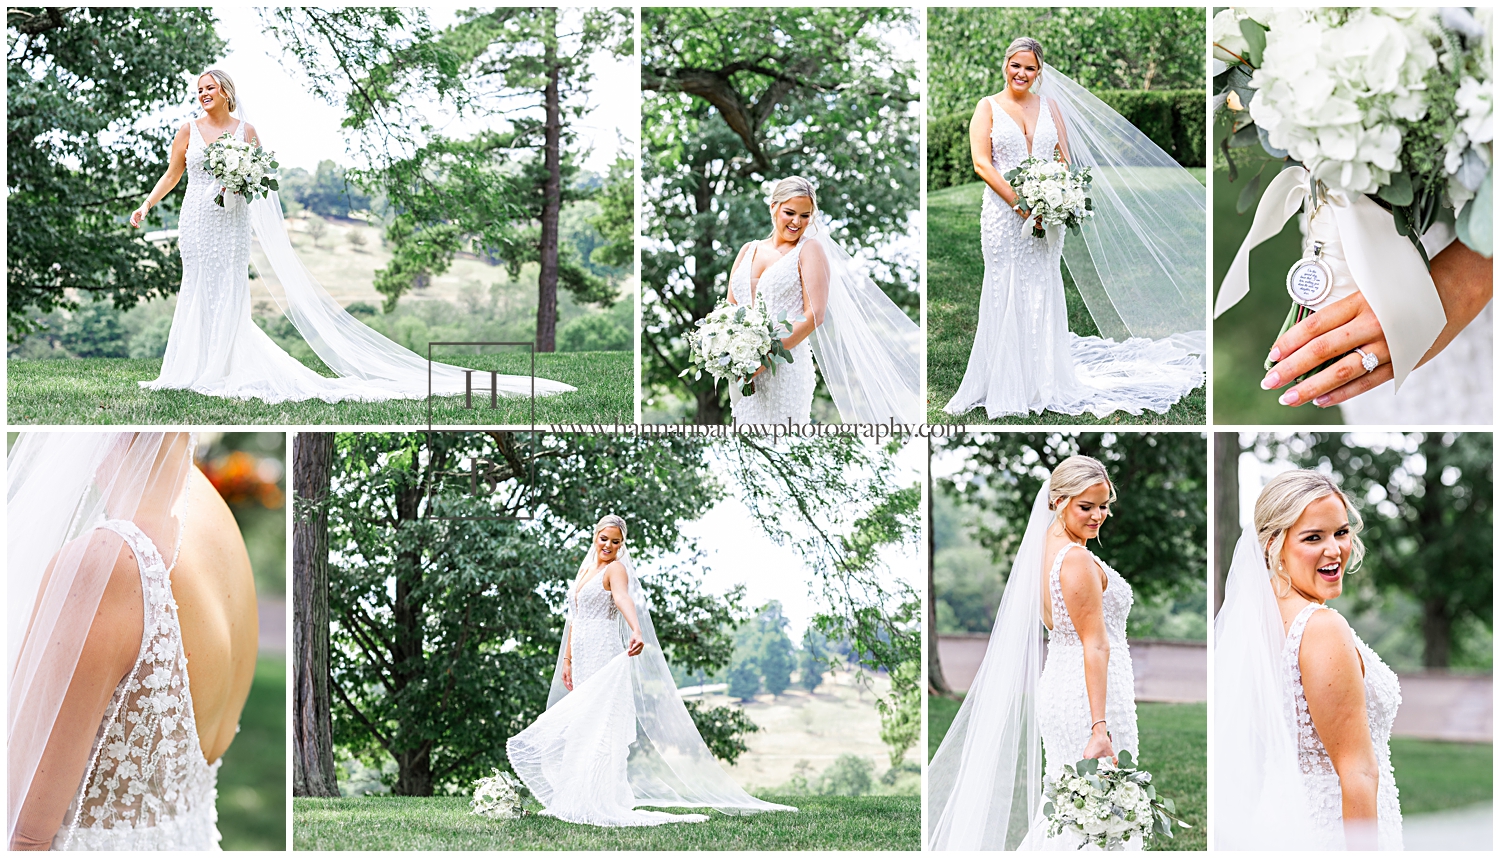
1281	503
1072	477
790	188
1025	43
226	86
611	521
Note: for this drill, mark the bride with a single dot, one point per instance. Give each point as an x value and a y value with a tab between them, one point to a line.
1139	265
1308	716
616	735
131	561
985	781
864	344
214	346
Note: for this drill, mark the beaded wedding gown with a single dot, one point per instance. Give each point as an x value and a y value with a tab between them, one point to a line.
786	394
1024	359
215	347
1063	700
147	786
1382	699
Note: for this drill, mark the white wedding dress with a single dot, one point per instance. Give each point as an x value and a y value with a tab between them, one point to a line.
1382	699
1024	359
215	348
787	394
147	786
1063	699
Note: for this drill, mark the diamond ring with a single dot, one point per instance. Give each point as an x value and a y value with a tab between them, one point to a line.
1367	360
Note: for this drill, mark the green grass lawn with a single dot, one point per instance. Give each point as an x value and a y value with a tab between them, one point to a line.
1243	335
1174	748
425	824
955	277
252	780
104	390
1435	776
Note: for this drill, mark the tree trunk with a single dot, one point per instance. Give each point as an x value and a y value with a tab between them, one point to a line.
312	730
1226	508
413	773
410	748
936	682
546	304
1437	635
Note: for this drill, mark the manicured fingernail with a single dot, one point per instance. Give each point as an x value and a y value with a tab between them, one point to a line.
1289	398
1275	353
1323	401
1270	382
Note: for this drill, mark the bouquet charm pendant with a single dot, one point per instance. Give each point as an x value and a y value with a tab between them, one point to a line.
1309	281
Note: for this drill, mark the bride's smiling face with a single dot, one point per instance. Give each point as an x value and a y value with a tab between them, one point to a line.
1084	513
1317	549
608	541
791	218
1021	72
209	94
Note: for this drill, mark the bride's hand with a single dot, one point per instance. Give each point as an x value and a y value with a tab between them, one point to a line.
1333	332
568	675
137	216
1099	745
636	646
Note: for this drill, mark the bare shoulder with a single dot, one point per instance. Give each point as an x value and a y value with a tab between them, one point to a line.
812	251
1327	636
1080	571
983	107
615	575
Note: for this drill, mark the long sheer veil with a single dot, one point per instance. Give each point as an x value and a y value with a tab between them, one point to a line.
348	346
1143	260
868	350
984	784
61	487
1257	795
669	764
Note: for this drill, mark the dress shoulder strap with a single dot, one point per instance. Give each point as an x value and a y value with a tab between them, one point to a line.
1299	625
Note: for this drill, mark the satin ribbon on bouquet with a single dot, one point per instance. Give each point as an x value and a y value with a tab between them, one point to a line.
1365	253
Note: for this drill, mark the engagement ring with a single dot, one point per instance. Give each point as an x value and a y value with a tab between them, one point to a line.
1367	360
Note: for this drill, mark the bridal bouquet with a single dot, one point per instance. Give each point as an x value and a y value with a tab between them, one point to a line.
1053	192
1395	103
498	797
1107	804
734	341
241	168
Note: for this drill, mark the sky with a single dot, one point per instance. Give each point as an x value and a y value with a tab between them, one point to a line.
737	551
303	130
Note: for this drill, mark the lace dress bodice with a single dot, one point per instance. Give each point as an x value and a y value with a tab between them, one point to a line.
1382	699
596	629
786	394
1063	715
1024	359
205	228
147	786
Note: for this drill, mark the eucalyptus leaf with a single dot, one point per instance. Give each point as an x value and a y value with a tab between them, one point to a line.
1250	193
1475	223
1398	191
1255	39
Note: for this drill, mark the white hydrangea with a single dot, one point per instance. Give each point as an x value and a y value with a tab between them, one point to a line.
733	341
1331	83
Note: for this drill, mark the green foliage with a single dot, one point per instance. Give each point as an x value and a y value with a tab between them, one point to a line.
1156	535
722	729
94	331
79	160
816	92
1145	48
1427	503
901	712
326	192
445	630
850	774
1172	119
616	218
598	332
744	680
252	782
812	660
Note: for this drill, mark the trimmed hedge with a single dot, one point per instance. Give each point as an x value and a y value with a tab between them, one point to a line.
1173	119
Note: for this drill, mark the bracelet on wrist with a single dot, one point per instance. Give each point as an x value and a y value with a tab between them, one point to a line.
1097	723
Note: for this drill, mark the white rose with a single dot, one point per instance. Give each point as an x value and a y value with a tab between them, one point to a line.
1229	45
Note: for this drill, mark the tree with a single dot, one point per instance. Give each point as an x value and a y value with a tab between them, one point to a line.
1426	500
936	682
316	228
1226	509
850	774
1155	47
79	157
330	194
445	630
313	771
616	218
744	680
774	654
740	96
1158	530
812	660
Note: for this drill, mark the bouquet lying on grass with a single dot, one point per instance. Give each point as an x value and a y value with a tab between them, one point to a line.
241	168
498	797
1052	194
1107	804
734	341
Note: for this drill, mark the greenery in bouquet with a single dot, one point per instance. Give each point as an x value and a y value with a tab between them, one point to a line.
1107	804
1393	103
498	797
1051	193
241	168
734	341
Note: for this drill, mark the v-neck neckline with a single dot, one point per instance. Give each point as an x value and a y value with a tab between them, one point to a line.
235	131
755	281
1041	105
